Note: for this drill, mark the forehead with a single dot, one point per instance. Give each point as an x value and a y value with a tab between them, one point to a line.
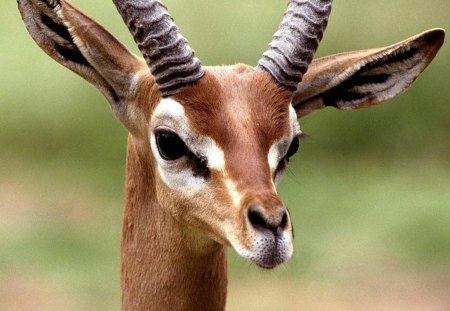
232	100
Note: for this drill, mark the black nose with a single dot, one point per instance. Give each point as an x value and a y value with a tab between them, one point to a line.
262	220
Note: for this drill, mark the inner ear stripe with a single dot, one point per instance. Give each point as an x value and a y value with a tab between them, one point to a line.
390	59
370	79
352	96
355	95
48	4
66	47
383	86
394	81
359	78
72	55
347	91
350	90
59	29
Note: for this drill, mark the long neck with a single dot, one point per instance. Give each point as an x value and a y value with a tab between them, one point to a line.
163	268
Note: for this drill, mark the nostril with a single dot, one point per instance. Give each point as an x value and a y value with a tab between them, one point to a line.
256	218
260	221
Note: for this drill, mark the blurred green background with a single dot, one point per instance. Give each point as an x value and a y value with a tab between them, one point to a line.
369	191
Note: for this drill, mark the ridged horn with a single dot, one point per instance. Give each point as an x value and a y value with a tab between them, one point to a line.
297	39
170	59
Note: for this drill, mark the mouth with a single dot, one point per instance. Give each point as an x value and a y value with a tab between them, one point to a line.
269	250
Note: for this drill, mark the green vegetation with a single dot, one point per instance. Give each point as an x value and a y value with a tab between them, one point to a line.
369	191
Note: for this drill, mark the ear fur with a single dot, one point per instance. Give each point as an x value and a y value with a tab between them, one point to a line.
361	79
79	43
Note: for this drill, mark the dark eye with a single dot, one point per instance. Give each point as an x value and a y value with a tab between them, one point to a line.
293	148
170	145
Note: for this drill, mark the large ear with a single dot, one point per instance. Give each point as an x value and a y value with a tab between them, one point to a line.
364	78
79	43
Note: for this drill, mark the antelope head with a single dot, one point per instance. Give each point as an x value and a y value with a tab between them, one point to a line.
220	138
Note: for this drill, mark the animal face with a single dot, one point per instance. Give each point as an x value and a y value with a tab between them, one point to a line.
219	154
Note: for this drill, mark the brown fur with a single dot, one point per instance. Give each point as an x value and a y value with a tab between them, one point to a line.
173	246
245	112
161	269
166	265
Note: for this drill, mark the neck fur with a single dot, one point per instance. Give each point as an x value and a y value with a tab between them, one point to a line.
164	265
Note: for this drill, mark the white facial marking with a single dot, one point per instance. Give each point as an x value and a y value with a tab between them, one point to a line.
215	155
234	193
294	122
168	107
274	155
279	148
178	174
